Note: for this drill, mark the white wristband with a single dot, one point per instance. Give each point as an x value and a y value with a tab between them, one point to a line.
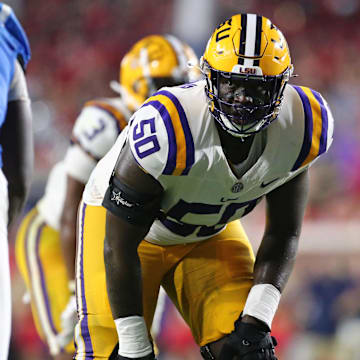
133	337
262	302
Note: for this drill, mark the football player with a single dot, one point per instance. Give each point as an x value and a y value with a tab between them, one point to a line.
163	204
50	226
16	149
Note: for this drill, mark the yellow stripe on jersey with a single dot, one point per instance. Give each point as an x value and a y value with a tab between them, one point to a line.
315	126
180	140
109	108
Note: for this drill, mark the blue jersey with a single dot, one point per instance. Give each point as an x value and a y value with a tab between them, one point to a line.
13	45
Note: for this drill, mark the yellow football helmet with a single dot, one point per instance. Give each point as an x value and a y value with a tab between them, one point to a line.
250	54
153	62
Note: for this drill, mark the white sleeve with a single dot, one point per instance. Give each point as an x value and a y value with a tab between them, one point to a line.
94	133
95	130
18	88
78	164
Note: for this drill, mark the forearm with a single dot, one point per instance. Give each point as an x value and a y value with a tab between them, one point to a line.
271	273
19	180
123	281
122	266
16	203
74	190
18	155
276	255
68	243
274	267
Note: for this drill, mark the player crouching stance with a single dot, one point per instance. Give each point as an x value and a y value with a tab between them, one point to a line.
163	206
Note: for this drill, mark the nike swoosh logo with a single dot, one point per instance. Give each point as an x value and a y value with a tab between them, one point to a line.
264	184
229	199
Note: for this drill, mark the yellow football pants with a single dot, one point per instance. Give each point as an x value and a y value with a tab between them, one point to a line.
41	264
208	282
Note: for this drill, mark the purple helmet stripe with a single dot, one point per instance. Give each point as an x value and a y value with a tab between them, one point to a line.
190	147
306	146
171	160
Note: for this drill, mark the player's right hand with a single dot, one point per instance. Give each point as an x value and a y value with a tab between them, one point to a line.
248	342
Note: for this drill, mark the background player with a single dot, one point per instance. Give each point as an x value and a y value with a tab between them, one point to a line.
193	159
16	149
47	270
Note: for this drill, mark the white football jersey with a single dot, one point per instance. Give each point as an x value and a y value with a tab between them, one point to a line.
174	138
94	132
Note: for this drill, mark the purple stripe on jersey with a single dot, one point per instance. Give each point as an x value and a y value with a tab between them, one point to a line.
84	321
306	146
324	123
190	147
171	160
42	277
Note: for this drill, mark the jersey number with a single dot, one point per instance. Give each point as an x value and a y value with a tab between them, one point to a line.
95	130
182	208
145	145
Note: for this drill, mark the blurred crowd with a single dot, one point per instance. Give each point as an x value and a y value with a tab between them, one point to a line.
76	49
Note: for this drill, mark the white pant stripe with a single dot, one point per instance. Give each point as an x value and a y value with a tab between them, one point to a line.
79	340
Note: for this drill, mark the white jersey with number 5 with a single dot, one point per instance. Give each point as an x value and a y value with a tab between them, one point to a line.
173	137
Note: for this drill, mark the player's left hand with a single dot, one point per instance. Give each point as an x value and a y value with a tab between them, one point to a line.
68	322
248	342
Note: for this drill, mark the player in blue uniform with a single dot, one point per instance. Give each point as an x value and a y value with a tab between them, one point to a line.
16	148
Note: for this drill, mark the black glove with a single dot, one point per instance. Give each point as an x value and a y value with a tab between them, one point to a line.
248	342
147	357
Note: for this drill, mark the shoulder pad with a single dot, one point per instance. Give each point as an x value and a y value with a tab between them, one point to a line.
318	126
160	136
97	128
109	108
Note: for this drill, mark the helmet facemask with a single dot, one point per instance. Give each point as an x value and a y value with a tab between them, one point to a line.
244	104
